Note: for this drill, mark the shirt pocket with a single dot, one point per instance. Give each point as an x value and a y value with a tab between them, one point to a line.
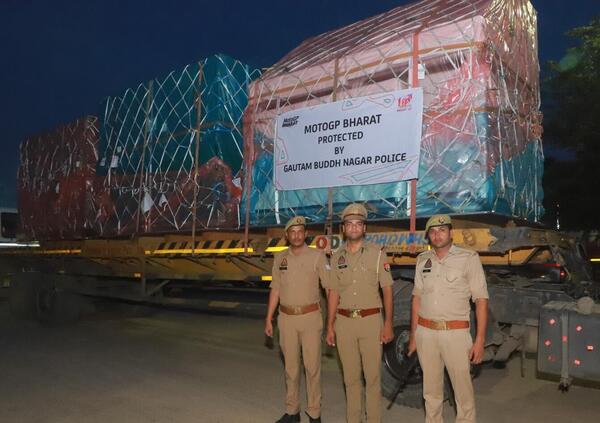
368	273
284	278
455	280
428	282
343	278
285	272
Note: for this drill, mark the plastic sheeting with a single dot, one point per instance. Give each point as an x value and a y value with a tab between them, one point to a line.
56	171
171	150
477	63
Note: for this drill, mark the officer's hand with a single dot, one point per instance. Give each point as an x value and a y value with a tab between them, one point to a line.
412	345
387	334
476	353
269	328
330	339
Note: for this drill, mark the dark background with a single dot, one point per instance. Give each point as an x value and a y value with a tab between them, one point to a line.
60	58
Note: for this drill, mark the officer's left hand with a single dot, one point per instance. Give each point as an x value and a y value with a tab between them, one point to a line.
387	333
476	353
269	328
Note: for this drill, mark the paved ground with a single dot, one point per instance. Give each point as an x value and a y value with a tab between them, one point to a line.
152	365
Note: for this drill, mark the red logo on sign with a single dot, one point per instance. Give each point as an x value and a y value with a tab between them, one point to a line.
404	102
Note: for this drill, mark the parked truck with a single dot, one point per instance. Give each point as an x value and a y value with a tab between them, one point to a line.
173	186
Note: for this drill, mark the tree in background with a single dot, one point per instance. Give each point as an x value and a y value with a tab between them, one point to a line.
572	123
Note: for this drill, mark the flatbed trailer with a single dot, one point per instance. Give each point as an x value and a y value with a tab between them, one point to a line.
526	267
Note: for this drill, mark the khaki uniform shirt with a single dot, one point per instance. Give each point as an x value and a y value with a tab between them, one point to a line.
297	276
358	276
445	286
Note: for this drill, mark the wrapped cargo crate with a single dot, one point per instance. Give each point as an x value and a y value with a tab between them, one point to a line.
56	171
171	150
476	62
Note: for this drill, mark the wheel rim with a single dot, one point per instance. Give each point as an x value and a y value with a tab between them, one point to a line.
394	357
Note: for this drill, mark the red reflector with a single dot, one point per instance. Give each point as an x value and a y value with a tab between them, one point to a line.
552	321
576	362
547	342
590	348
564	338
578	328
563	273
551	358
551	264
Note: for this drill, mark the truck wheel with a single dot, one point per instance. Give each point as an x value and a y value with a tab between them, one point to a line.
395	366
21	296
54	306
397	369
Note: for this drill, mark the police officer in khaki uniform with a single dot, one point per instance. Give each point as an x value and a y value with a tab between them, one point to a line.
295	287
358	270
446	278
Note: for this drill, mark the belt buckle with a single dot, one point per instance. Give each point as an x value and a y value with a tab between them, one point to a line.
355	313
297	309
441	325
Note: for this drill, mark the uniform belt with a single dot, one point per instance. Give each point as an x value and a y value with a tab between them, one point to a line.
444	324
295	310
354	313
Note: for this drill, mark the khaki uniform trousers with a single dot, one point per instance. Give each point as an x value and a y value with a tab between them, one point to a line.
435	349
359	348
302	333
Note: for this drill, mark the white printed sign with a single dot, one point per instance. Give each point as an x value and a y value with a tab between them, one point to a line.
358	141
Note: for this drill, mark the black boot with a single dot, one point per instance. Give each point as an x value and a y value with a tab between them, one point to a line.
313	419
289	418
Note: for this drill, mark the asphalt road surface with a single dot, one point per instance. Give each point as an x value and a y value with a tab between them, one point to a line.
141	364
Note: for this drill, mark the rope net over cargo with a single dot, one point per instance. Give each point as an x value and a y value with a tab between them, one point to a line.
171	152
481	150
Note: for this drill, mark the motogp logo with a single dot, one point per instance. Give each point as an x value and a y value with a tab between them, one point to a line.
404	102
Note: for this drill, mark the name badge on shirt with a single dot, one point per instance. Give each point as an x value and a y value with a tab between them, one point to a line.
341	264
426	270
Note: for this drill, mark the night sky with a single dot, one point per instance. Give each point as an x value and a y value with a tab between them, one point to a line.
60	58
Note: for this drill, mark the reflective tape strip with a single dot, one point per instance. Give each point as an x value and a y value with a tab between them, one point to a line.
276	249
75	251
199	251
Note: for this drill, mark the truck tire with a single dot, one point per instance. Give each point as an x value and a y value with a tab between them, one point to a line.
54	306
394	354
394	363
21	295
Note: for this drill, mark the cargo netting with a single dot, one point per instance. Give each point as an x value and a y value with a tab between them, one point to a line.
477	64
171	152
56	171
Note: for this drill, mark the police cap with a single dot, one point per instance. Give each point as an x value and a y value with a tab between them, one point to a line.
438	220
295	221
354	211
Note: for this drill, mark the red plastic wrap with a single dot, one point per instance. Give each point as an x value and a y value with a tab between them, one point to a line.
56	170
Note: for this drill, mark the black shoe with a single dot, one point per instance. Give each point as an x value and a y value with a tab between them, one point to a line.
312	419
289	418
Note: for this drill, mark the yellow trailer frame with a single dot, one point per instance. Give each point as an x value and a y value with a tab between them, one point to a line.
223	256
